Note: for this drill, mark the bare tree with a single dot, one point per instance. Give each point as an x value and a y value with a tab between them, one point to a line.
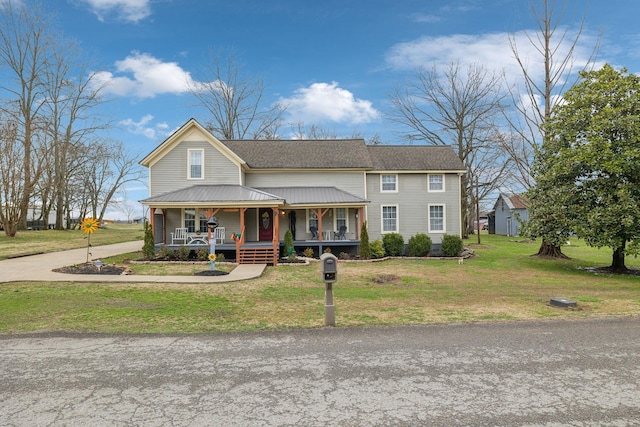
235	102
456	107
557	45
108	167
72	96
25	46
11	176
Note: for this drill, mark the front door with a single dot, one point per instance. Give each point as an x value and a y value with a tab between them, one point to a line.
265	224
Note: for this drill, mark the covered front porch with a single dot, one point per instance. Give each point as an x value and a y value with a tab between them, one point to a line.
255	221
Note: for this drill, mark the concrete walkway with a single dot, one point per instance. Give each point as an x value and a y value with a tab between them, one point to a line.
38	268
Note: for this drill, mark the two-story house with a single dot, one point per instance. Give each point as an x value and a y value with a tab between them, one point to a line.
321	190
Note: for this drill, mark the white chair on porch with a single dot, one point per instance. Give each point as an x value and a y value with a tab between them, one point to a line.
179	234
219	235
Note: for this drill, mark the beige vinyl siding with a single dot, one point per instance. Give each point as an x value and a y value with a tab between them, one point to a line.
413	202
346	181
170	172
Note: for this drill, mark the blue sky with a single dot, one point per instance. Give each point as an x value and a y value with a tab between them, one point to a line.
334	62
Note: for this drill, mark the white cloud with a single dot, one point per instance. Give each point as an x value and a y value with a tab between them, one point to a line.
327	102
128	10
425	18
144	127
491	50
146	77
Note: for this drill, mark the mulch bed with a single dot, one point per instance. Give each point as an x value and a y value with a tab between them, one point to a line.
211	273
89	268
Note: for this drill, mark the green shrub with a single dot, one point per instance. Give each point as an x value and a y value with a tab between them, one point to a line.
202	254
308	252
288	243
344	255
219	257
167	253
376	249
393	244
183	253
451	245
293	257
149	247
365	249
419	245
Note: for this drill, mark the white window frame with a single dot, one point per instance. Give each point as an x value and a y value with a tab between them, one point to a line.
336	225
431	190
382	218
199	224
310	213
189	152
444	218
395	189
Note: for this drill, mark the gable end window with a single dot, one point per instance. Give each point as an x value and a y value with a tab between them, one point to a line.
436	183
389	183
195	166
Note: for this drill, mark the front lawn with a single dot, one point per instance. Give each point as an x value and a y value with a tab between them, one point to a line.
503	282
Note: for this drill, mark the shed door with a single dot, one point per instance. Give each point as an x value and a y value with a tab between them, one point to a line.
265	224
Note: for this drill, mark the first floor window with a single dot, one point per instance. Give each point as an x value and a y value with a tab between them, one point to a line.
341	218
190	221
436	218
313	220
389	219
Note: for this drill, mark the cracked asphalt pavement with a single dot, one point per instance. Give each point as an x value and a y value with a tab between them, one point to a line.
554	373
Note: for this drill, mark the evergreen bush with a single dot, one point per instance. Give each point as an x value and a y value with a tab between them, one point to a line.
288	243
376	249
365	250
393	244
451	245
419	245
149	247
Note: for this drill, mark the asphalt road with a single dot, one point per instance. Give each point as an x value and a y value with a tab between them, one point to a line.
578	373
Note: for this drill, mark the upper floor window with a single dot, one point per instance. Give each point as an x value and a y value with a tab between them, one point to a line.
436	182
389	183
195	166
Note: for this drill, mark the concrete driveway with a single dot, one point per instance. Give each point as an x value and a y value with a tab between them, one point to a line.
39	268
578	373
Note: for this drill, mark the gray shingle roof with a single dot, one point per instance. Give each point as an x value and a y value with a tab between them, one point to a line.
302	154
414	158
343	154
314	195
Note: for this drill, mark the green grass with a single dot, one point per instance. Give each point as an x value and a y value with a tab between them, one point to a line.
502	283
30	242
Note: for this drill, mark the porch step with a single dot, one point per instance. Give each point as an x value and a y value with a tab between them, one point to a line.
257	256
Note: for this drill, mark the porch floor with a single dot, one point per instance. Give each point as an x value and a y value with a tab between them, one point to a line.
298	245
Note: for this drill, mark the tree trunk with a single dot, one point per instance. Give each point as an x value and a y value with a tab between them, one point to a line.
550	251
617	262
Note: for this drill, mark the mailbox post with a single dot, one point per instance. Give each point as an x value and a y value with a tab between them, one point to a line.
212	224
329	273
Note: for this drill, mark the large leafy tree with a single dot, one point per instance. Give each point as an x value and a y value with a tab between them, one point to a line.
589	168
